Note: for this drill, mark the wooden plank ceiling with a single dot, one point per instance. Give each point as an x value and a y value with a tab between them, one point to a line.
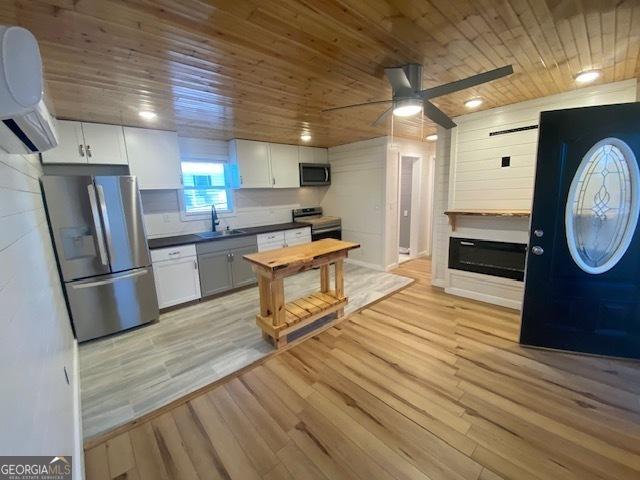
265	69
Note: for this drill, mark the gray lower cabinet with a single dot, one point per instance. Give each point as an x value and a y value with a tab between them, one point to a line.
221	264
241	270
215	273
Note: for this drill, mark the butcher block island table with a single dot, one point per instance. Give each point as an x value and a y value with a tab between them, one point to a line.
278	319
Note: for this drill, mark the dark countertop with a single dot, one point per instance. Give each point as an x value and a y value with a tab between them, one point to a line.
194	238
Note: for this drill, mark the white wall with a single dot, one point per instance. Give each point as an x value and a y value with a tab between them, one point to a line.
469	176
357	195
440	243
37	406
477	179
364	192
253	207
425	151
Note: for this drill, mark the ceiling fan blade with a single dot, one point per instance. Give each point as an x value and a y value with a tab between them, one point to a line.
357	105
381	117
398	80
437	115
466	82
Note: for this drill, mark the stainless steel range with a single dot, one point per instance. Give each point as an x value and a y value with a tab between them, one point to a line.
322	226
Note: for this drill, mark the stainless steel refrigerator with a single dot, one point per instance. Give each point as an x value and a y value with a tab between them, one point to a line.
102	252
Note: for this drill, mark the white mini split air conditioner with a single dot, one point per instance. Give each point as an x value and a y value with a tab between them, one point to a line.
26	126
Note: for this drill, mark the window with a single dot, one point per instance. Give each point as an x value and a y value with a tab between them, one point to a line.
205	184
603	206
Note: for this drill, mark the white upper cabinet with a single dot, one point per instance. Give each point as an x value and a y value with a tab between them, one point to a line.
314	155
154	158
284	165
70	147
271	165
88	143
252	160
104	144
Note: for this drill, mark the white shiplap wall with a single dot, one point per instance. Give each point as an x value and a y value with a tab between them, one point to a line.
477	179
357	195
38	409
440	248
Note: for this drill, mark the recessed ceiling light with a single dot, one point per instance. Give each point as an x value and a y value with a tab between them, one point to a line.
407	106
587	76
147	115
305	137
431	138
473	103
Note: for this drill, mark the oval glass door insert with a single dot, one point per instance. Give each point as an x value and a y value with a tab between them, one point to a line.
602	207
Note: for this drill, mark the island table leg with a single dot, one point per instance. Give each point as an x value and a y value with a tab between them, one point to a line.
264	289
324	278
339	280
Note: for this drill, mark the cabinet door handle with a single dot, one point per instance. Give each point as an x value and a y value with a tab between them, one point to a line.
195	264
241	181
81	150
89	151
273	180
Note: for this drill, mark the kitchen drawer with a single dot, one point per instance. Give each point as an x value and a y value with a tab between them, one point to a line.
297	234
266	246
226	244
173	253
271	237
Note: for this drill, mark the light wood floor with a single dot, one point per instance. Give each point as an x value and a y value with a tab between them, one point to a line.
420	385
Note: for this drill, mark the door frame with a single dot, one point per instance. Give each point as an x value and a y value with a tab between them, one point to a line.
416	191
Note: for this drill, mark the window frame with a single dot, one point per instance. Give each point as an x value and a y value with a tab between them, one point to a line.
193	216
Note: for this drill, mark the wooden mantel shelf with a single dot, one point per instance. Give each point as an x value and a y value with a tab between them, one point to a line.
453	214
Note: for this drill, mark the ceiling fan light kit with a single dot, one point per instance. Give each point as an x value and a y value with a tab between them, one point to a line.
406	107
409	98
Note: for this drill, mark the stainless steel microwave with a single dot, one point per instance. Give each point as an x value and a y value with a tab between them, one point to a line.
314	174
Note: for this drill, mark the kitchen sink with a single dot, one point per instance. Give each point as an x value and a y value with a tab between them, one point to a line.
223	233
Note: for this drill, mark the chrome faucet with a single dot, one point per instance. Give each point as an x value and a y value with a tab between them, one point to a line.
214	218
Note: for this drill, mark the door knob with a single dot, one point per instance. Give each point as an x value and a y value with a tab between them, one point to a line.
537	250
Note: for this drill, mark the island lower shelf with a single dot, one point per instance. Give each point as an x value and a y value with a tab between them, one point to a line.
303	311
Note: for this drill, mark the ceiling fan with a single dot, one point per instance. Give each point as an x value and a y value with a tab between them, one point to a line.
409	98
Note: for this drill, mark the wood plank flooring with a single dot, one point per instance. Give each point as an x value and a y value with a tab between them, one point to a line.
126	376
421	385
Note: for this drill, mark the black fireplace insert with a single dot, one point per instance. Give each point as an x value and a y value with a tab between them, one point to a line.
501	259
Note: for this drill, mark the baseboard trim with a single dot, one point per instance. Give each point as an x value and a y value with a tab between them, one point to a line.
482	297
438	283
372	266
78	447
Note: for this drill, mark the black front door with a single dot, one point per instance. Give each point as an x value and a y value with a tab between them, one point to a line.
583	266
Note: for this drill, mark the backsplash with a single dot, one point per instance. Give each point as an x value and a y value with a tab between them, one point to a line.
253	207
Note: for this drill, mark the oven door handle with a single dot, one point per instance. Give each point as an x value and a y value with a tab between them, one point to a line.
325	230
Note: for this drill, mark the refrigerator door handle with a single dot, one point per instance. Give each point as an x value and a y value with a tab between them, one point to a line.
105	220
109	280
97	225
